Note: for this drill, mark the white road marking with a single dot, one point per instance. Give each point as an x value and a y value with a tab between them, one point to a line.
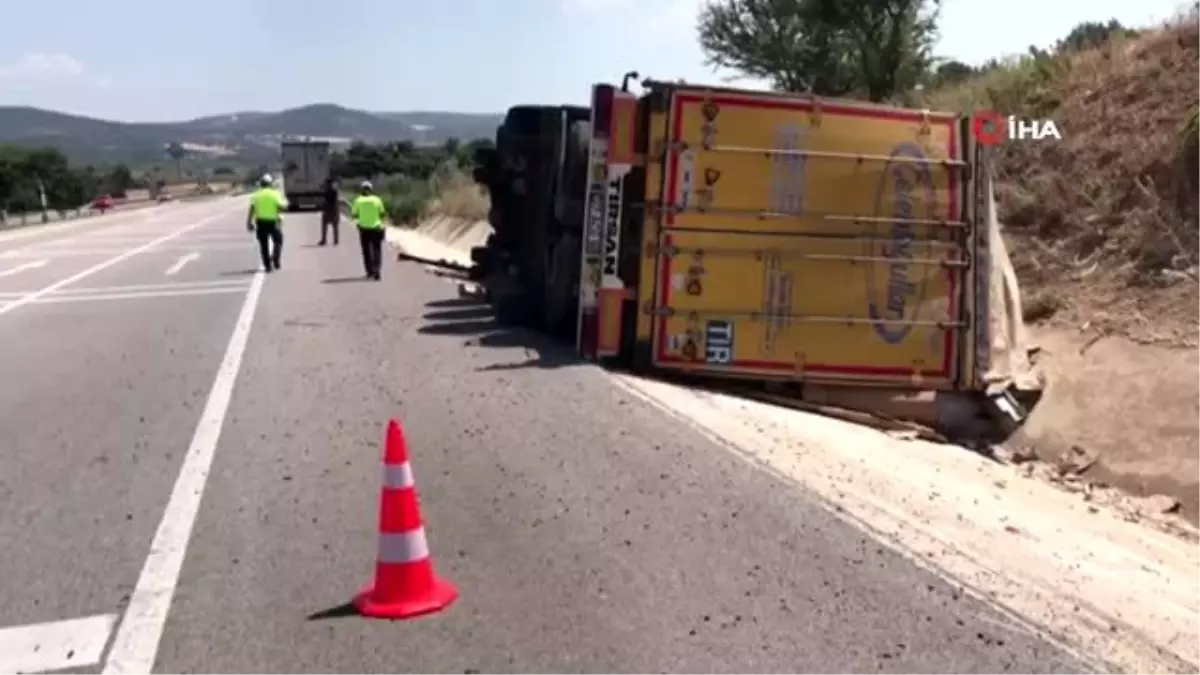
175	285
50	252
138	288
59	299
35	295
21	268
76	643
136	644
183	260
134	240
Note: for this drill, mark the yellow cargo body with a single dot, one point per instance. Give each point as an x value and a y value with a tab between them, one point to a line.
797	238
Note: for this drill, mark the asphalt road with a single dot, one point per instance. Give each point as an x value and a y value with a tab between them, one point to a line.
189	476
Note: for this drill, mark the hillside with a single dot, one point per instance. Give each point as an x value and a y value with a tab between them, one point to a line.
235	137
1102	225
1102	230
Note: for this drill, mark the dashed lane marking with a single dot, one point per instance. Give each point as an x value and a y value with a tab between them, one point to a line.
179	264
21	268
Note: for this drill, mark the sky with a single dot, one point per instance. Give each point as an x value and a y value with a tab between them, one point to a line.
142	60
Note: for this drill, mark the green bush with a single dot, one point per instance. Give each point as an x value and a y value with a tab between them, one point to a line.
1191	132
1028	85
406	198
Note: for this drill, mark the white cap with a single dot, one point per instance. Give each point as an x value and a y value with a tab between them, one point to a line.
365	185
266	179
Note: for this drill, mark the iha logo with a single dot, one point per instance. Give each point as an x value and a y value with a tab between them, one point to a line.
991	128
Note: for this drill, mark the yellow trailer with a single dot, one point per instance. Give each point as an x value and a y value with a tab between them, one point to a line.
763	236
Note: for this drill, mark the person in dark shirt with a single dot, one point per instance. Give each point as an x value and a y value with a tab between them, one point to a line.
331	214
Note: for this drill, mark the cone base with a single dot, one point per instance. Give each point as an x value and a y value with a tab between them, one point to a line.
436	598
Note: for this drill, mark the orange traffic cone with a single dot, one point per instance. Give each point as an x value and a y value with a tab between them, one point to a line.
405	584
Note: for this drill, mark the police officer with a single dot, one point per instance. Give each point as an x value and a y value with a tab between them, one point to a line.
265	220
369	214
330	212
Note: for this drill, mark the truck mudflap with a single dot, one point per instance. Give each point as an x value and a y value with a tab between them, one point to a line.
798	239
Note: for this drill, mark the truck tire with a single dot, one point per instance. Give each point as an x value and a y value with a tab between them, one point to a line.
569	203
524	120
510	307
486	162
561	298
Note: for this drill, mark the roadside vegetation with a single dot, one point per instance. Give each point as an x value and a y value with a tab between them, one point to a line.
1102	225
27	173
417	182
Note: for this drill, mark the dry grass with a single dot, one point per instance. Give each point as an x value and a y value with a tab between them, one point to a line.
1103	225
456	195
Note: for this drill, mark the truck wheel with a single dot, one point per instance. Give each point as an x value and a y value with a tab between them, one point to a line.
561	298
572	194
524	120
510	308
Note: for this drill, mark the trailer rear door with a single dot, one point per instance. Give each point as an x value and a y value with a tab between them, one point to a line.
806	240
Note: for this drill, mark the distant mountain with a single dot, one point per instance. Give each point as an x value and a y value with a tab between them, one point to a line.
236	138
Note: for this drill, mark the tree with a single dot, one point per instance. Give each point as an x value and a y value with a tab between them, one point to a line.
950	72
48	176
1092	34
894	40
118	181
176	152
870	48
69	189
9	175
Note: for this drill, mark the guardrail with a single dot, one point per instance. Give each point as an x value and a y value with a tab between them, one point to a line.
11	221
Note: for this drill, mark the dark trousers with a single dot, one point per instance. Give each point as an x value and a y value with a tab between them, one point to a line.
330	220
267	232
372	249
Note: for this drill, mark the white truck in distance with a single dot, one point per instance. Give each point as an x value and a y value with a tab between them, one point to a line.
305	170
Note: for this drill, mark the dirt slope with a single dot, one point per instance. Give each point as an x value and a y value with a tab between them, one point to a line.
1102	225
1103	232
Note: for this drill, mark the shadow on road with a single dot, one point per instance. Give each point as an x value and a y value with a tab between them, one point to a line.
476	327
467	313
340	612
346	280
472	319
240	273
457	302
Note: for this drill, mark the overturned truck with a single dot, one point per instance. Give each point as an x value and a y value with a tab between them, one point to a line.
842	253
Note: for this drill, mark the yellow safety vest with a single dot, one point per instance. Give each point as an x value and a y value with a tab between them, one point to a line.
368	211
267	203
